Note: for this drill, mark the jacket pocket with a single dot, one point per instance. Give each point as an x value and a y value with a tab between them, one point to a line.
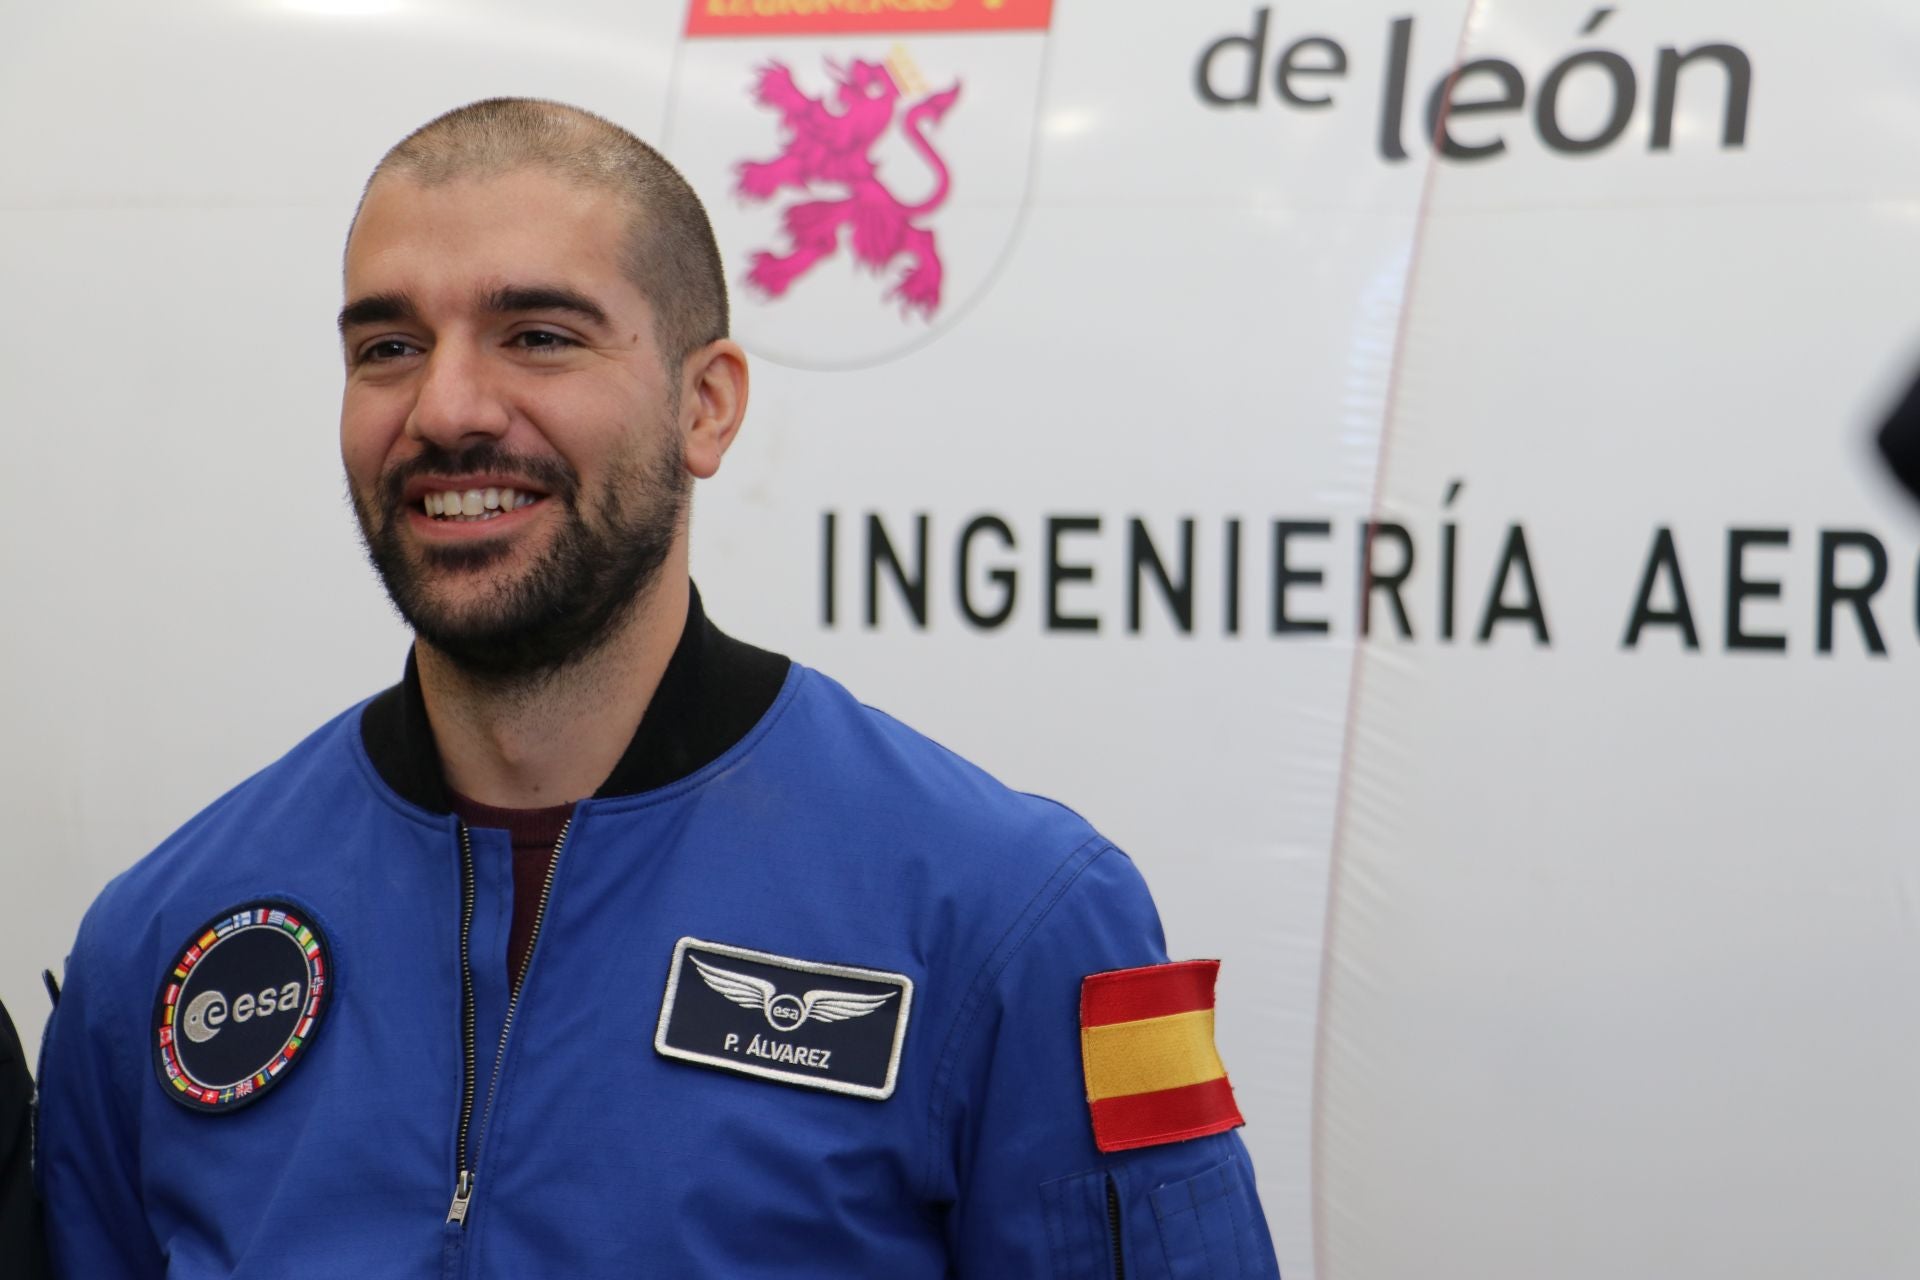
1085	1235
1206	1225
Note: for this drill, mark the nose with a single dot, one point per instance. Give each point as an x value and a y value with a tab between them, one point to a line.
458	402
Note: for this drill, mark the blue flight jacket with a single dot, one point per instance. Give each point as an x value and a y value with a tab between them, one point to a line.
816	829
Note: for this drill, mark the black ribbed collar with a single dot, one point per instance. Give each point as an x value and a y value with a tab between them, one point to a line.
713	691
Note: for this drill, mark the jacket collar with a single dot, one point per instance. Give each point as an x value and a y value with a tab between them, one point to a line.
713	691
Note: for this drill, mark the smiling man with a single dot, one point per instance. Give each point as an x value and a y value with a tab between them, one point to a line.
604	944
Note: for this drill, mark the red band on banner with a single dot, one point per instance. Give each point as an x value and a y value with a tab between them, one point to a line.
1166	1115
863	17
1127	995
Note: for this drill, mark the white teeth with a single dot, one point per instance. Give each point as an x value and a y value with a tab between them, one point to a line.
475	504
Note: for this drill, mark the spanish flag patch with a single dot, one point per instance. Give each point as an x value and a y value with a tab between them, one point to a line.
1146	1044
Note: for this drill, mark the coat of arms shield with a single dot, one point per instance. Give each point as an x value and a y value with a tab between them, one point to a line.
865	162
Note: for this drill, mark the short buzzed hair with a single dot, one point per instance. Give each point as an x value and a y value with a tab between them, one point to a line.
670	255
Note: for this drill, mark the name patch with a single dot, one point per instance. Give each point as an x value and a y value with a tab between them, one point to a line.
821	1026
239	1005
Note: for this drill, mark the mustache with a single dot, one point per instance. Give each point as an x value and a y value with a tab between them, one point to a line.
551	474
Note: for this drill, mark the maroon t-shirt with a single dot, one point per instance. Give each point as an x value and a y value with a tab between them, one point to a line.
534	833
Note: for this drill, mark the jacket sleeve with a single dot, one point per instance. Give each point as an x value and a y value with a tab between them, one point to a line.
87	1161
1032	1194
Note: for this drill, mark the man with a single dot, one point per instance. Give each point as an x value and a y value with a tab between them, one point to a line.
604	944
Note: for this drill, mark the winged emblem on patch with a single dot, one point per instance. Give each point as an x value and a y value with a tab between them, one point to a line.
787	1012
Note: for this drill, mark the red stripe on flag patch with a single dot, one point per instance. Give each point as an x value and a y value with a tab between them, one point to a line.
1165	1115
845	17
1127	995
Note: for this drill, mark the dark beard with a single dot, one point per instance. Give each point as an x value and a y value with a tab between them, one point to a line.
566	605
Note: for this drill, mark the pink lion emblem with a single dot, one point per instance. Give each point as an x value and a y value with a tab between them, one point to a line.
828	146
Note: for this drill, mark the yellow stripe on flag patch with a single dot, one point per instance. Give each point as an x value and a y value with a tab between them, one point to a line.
1152	1053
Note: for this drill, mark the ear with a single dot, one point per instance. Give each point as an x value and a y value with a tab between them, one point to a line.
713	400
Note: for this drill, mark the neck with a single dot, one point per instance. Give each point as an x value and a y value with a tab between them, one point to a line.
553	738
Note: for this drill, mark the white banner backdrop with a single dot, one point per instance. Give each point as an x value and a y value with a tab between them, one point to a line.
1622	967
1555	945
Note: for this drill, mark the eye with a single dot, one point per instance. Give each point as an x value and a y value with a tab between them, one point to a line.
385	351
541	340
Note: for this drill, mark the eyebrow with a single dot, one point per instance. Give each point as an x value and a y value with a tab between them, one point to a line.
387	308
544	297
376	308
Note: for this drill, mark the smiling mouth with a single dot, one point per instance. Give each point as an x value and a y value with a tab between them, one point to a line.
467	505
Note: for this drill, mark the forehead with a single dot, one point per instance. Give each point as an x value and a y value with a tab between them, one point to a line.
474	232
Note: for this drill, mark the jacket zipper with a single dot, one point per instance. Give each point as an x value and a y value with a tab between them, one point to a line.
463	1184
1113	1229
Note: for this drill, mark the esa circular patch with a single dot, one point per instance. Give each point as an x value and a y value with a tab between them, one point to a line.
240	1005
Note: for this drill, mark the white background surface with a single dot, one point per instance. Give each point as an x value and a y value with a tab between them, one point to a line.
1620	973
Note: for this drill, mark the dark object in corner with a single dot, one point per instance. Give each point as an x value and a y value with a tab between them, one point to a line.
22	1251
1899	440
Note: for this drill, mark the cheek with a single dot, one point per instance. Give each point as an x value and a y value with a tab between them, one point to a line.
367	437
594	428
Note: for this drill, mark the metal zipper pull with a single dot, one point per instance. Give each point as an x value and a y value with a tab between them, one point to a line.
462	1194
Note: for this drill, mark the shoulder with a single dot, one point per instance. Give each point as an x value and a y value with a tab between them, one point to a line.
247	845
1012	879
926	796
234	839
